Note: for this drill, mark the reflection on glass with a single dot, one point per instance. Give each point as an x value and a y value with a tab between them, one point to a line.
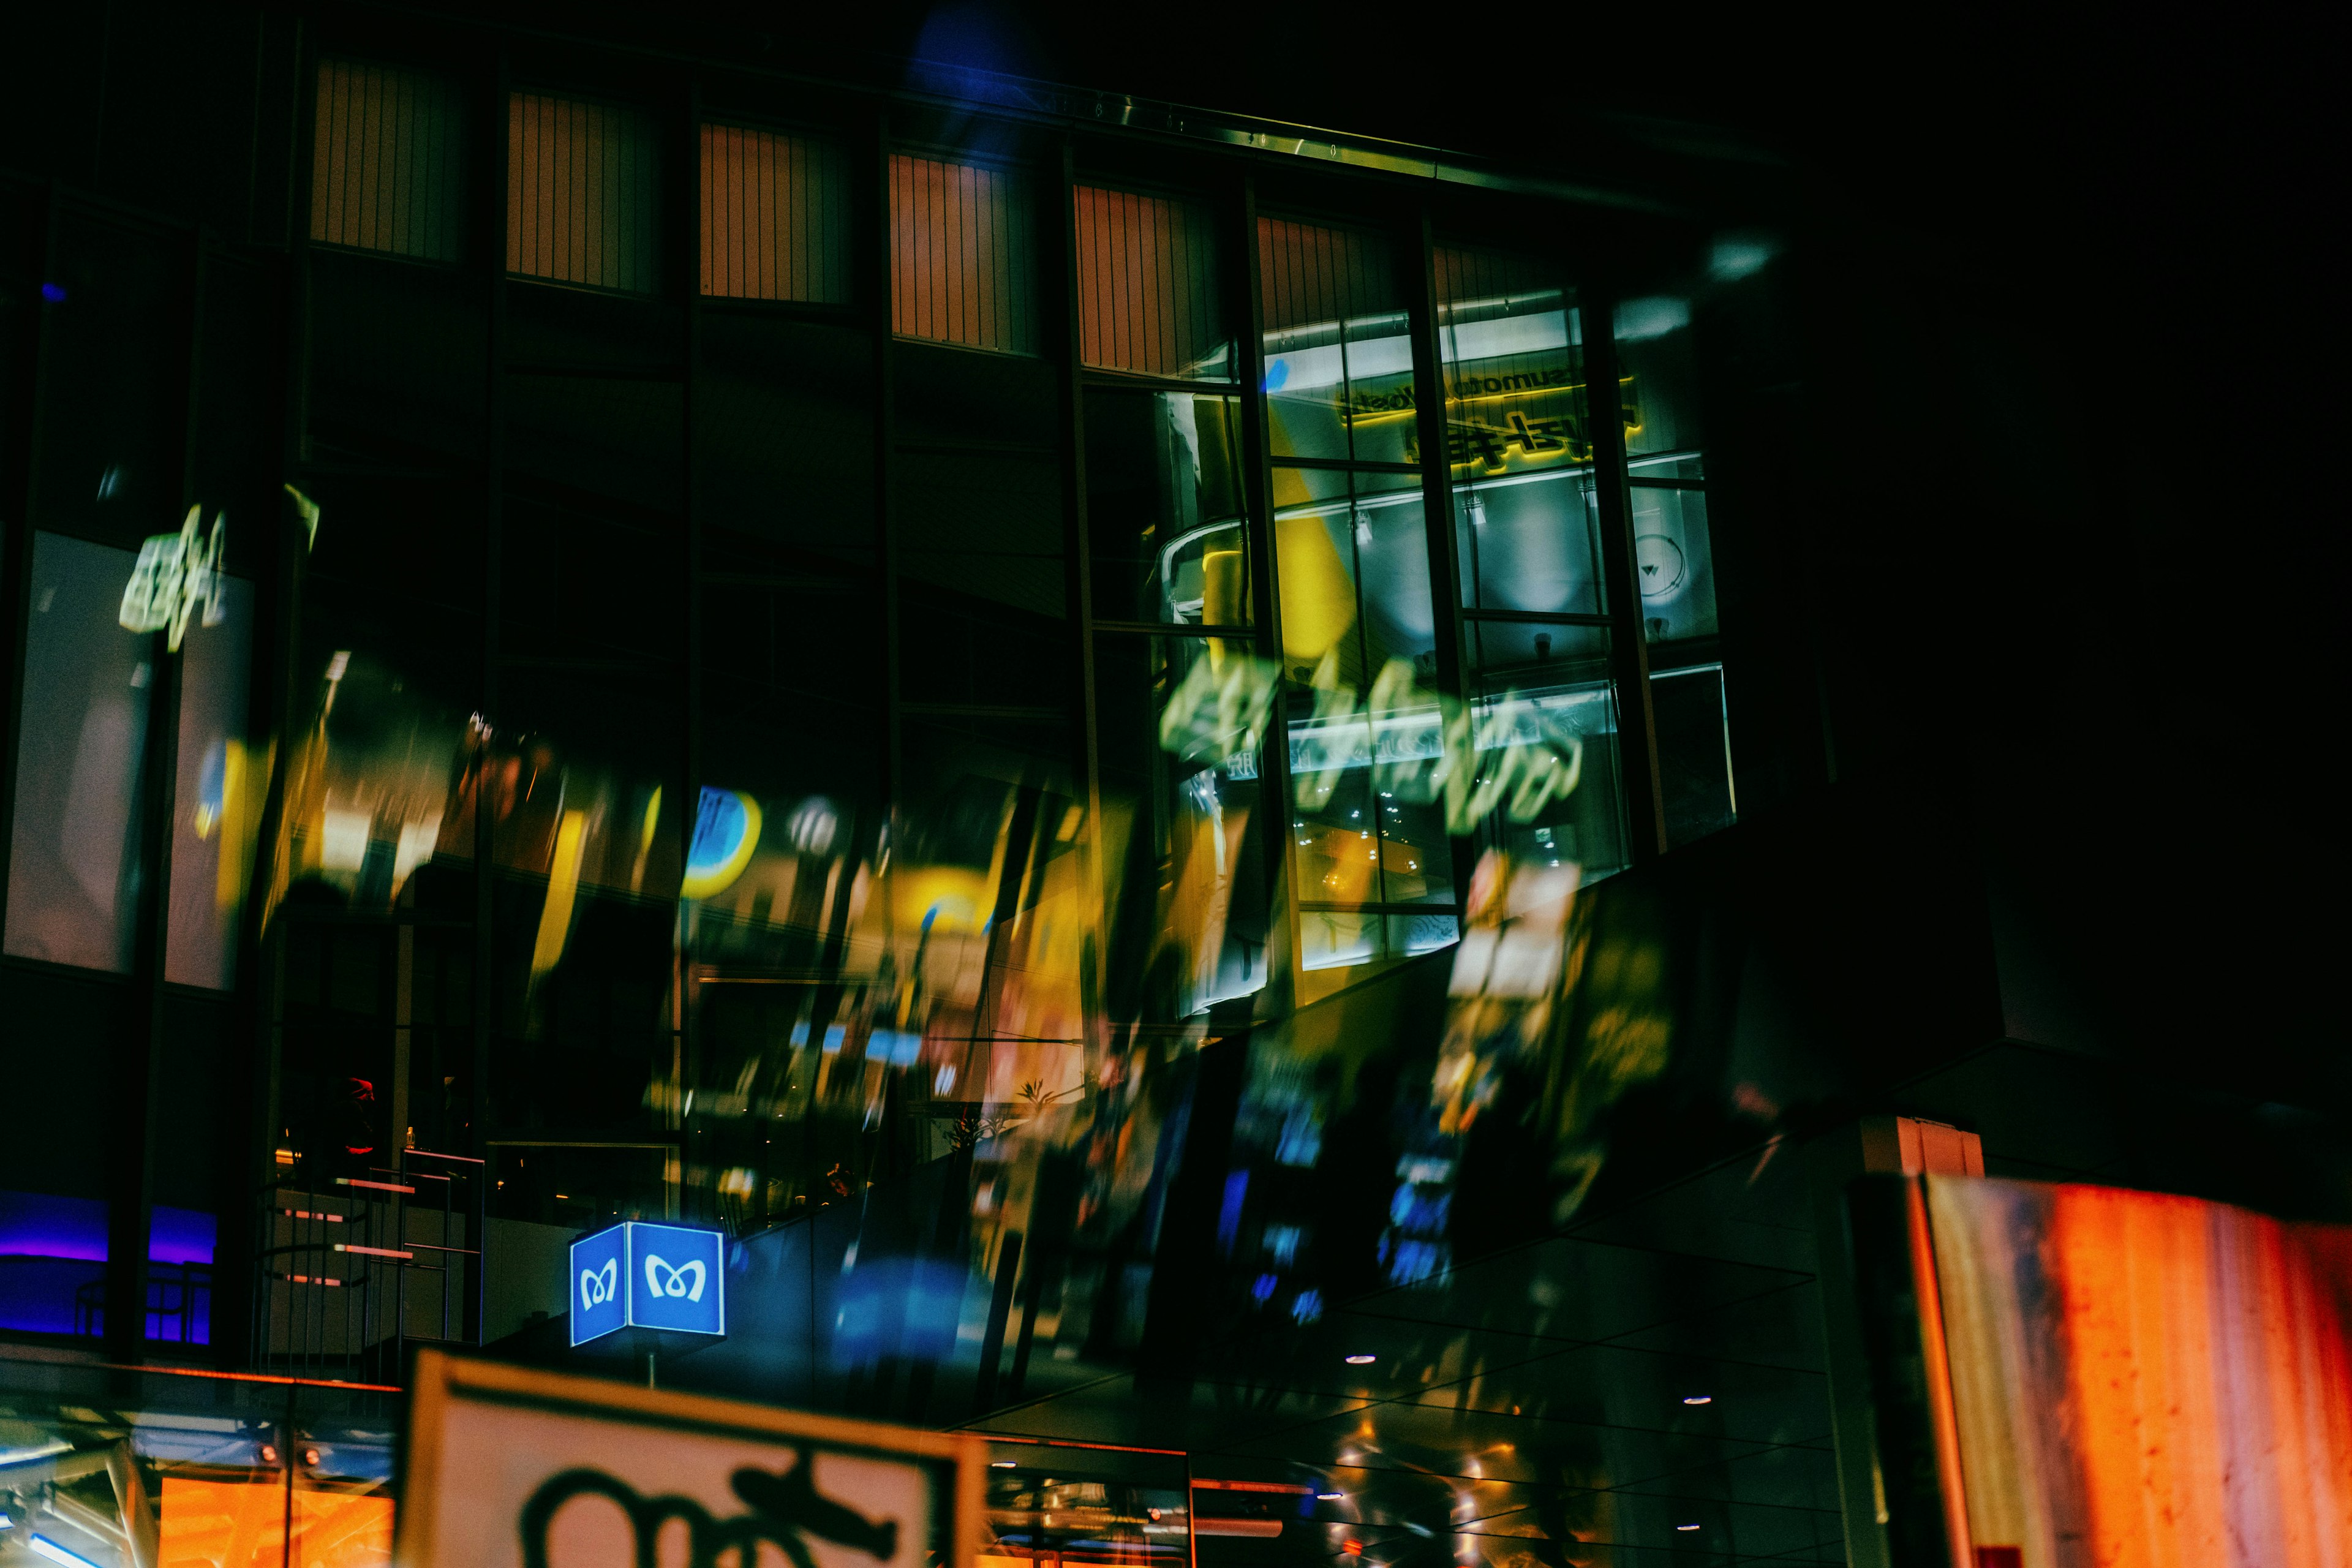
1164	507
1181	724
1147	295
216	807
1693	750
1516	442
191	1475
1674	560
73	869
1538	688
1067	1506
369	786
1359	630
1671	553
1338	357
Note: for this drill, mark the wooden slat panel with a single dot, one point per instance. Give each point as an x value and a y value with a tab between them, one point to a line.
388	169
775	220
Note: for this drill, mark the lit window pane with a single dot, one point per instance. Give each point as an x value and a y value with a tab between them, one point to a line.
216	806
388	169
1164	507
73	870
1147	298
775	216
962	263
582	184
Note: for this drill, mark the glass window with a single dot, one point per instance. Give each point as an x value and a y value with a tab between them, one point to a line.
1358	632
1543	728
113	389
1147	295
388	171
775	215
1339	355
1519	453
73	870
582	188
963	255
1185	859
216	806
1674	560
1164	508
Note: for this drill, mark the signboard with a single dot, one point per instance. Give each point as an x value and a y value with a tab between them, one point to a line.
513	1467
641	1276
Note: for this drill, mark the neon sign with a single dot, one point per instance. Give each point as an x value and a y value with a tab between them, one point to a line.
172	573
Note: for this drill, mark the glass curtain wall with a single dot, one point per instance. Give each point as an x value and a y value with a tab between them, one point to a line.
1369	862
720	775
1543	711
133	539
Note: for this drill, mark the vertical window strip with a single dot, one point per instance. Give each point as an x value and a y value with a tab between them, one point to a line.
386	171
582	184
962	263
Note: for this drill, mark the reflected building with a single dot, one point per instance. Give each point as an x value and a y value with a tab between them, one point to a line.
1184	775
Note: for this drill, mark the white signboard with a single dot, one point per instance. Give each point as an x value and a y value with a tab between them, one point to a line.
513	1467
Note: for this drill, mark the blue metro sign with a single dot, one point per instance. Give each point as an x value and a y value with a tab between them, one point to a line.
641	1276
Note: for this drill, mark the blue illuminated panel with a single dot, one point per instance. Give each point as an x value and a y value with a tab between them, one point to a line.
648	1276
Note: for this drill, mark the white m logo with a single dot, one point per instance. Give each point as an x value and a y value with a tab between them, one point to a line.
664	1280
597	1284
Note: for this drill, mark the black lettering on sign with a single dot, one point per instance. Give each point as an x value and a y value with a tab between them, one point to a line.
781	1506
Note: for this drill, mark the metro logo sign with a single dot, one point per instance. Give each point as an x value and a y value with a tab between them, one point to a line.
641	1276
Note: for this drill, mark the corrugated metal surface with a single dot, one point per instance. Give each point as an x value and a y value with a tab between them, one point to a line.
775	216
1147	296
1311	273
583	185
962	255
388	169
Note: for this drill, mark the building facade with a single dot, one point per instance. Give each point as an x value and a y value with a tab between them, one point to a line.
1180	768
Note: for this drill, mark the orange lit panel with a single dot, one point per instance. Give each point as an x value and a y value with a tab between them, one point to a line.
2143	1380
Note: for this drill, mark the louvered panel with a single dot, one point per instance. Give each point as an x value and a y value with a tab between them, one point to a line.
583	185
775	218
388	169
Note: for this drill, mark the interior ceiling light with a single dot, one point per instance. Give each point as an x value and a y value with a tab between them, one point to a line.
1000	1464
1331	1497
1362	1360
1686	1526
1699	1399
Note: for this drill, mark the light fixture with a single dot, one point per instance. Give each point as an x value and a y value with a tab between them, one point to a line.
1686	1526
1000	1464
1362	1360
55	1553
1331	1496
1698	1399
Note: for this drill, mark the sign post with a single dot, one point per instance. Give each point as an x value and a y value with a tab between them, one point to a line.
510	1467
